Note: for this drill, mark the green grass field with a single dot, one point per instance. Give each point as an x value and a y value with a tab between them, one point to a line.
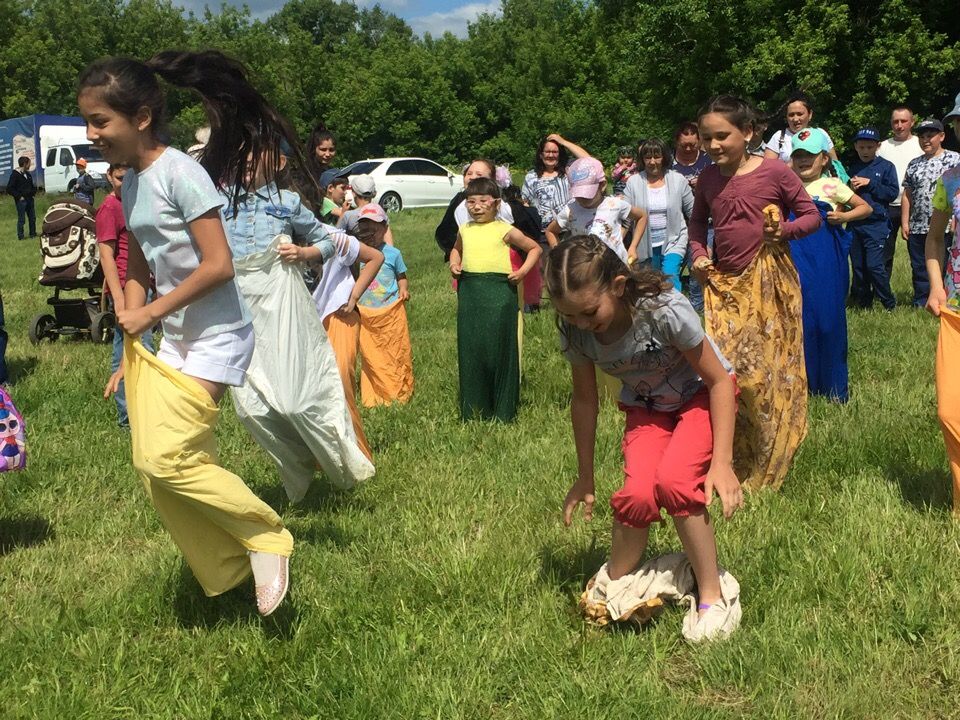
446	586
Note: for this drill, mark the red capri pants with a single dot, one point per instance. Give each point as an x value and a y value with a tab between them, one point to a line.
666	458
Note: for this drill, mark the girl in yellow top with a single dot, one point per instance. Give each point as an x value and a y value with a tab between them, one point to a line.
487	342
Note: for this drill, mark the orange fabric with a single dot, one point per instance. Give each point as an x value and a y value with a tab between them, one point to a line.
386	371
344	336
948	395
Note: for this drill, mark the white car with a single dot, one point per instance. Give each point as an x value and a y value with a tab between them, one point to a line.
408	182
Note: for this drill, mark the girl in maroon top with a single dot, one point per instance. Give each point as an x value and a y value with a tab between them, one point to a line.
751	288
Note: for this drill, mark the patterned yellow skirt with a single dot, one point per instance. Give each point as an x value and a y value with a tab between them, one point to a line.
755	318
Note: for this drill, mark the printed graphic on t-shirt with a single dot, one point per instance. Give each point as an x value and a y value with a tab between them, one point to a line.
921	180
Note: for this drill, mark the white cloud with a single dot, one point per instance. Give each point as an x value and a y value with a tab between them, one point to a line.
453	20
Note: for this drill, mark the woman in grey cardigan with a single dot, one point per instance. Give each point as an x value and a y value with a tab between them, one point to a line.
666	197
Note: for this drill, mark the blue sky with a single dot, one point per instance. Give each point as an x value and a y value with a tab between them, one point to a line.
435	16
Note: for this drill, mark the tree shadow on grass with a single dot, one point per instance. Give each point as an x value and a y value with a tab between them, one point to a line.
23	532
569	569
925	489
193	609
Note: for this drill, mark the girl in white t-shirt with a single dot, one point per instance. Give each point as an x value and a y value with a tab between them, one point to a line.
591	212
336	296
680	403
799	114
172	208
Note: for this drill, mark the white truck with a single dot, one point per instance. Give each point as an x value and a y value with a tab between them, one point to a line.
61	147
53	143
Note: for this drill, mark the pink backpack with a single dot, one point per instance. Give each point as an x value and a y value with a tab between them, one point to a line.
13	449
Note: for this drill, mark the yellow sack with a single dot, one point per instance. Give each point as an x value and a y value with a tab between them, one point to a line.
386	369
213	517
344	336
756	320
948	395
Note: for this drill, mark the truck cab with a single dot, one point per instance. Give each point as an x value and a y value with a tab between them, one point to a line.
60	166
60	148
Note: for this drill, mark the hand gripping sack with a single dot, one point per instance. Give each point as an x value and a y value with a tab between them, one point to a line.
292	400
13	448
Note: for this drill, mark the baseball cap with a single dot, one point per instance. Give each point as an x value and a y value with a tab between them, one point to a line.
363	185
328	176
812	140
373	212
956	109
584	175
930	125
81	162
867	133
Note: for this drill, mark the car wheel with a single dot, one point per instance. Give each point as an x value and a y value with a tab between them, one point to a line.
391	202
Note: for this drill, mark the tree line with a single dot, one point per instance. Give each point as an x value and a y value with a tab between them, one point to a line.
603	73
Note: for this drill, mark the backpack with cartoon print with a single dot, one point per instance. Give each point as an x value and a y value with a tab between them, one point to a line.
13	448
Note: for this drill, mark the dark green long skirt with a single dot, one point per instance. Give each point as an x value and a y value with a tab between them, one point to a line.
487	347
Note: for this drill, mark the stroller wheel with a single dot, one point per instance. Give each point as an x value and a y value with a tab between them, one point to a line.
101	327
43	327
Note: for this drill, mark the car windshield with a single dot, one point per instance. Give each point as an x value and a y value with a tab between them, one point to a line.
364	167
88	153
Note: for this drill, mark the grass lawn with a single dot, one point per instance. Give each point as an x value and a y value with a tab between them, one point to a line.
446	586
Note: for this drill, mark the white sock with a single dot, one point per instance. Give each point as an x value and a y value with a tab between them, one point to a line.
265	566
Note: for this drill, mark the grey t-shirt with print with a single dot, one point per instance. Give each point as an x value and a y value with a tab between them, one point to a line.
921	180
648	360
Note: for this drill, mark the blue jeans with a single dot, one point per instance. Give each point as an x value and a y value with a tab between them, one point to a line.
916	245
867	257
26	211
668	264
120	396
695	289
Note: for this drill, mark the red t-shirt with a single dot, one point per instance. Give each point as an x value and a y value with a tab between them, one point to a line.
736	205
112	228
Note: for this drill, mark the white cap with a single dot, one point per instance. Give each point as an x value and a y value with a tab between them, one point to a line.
363	185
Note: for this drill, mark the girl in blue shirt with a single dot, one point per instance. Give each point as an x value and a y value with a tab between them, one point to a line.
172	210
292	401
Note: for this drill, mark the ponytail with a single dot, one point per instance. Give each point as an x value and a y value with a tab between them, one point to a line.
585	261
243	125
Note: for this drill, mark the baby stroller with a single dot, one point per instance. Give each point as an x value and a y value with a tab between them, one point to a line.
71	261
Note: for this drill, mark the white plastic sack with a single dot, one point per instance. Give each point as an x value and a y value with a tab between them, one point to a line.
292	401
667	577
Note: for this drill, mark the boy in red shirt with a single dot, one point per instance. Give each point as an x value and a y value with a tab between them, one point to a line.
112	239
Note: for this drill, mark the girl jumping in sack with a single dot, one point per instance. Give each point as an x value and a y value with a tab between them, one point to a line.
679	399
172	209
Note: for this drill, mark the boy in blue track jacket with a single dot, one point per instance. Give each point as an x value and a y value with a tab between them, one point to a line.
875	180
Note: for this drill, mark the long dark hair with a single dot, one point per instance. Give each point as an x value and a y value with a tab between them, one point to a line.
242	123
562	159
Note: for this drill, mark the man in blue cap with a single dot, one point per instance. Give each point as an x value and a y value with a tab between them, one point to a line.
918	186
875	180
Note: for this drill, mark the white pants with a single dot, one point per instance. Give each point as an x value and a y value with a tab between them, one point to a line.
222	358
